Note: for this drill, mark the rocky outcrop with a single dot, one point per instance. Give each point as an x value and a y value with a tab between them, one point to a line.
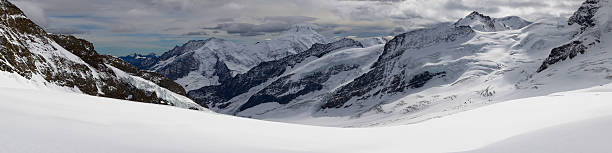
285	90
588	35
222	71
181	67
562	53
584	15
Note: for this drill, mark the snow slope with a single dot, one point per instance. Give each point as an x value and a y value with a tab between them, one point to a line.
59	122
581	136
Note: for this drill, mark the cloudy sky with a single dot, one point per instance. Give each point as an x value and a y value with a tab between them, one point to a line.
121	27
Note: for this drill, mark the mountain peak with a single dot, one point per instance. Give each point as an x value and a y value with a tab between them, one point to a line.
481	22
476	14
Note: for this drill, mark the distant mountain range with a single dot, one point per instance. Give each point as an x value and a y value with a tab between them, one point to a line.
200	63
438	70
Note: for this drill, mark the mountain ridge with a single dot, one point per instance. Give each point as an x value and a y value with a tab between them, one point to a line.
195	64
60	60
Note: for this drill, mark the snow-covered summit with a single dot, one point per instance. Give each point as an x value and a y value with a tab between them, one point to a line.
297	39
481	22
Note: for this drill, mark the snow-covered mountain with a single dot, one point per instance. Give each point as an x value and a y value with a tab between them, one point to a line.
200	63
242	86
481	22
431	72
142	62
426	73
30	54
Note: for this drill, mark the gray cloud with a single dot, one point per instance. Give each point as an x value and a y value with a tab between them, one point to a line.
461	6
172	29
65	31
271	24
378	0
247	29
399	29
224	20
289	19
340	32
199	33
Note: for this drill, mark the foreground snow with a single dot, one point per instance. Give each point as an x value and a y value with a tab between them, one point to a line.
53	121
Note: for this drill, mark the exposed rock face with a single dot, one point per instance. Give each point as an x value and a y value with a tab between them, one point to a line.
589	35
182	67
217	96
71	62
584	15
285	90
85	50
562	53
222	71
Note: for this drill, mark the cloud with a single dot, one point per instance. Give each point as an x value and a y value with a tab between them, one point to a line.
461	6
378	0
125	28
172	29
66	31
247	29
252	20
289	19
271	24
200	33
224	20
340	31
